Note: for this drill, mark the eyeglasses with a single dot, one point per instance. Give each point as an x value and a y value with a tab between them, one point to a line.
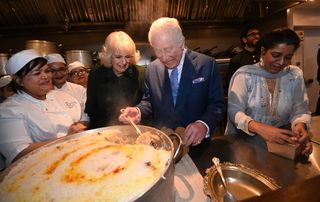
78	73
253	34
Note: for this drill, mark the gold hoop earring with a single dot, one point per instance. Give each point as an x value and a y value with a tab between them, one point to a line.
288	68
261	63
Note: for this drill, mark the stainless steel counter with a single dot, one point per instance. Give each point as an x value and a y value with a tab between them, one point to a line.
237	150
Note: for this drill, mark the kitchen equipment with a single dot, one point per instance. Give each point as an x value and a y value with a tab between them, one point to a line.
244	182
3	61
82	56
228	197
162	189
43	47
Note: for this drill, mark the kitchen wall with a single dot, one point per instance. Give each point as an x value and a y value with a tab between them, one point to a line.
305	20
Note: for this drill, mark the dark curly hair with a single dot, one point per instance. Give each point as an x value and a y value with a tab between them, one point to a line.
244	32
279	36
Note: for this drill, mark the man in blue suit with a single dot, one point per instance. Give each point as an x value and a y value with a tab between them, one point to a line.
193	98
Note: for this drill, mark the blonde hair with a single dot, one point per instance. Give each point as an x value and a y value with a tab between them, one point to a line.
117	41
167	25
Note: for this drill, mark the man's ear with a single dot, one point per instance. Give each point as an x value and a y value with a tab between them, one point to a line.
244	40
182	45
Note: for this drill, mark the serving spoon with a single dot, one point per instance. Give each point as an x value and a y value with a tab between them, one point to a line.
228	197
132	123
135	126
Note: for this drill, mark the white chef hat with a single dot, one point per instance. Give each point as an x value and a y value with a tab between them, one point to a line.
74	65
20	59
54	57
5	80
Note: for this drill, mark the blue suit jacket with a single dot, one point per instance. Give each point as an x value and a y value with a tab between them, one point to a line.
200	94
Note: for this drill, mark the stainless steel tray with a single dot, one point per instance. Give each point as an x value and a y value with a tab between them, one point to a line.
243	182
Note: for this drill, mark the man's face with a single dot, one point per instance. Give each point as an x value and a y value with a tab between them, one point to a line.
167	50
253	36
59	73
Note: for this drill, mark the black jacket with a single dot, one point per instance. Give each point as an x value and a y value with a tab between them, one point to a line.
243	58
107	94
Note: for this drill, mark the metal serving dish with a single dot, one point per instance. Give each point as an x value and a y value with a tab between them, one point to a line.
162	189
242	182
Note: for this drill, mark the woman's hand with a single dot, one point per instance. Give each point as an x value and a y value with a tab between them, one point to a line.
301	132
307	150
76	127
303	138
130	112
273	134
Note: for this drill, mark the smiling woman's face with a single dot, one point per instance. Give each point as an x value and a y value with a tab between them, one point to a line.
37	82
120	60
277	58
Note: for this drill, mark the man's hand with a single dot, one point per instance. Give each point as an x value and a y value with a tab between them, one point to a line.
130	112
194	133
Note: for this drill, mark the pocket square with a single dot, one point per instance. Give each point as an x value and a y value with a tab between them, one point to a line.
198	80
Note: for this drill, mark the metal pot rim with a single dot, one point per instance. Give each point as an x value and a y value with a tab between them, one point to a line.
40	41
92	131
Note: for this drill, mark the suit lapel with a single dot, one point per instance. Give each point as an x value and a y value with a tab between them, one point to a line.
166	90
187	75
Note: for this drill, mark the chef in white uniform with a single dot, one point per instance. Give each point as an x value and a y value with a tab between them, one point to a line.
78	73
36	114
59	79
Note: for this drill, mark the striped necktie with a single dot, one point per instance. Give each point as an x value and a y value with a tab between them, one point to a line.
174	84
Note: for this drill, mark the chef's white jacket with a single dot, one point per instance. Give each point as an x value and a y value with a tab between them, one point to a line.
78	92
24	120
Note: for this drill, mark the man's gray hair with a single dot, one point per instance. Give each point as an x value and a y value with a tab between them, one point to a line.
166	25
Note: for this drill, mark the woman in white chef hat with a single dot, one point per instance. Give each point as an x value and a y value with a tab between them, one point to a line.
78	73
35	114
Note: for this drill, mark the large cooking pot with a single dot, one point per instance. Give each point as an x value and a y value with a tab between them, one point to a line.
3	61
82	56
162	188
43	47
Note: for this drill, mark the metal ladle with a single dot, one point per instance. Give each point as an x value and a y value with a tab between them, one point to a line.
228	197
